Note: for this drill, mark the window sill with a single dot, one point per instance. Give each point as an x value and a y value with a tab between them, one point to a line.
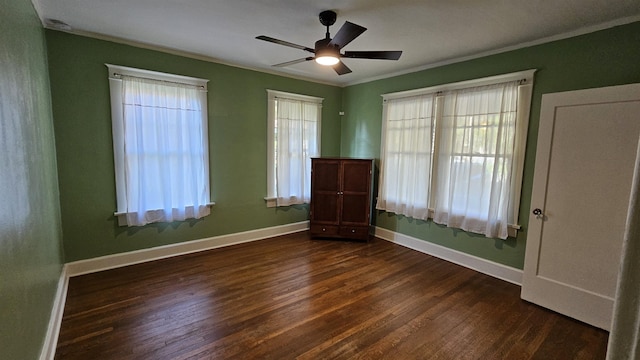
270	202
122	216
512	230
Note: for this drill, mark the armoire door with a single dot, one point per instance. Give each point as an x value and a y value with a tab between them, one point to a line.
585	156
325	193
356	175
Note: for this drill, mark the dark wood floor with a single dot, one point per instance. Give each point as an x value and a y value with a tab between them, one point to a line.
292	297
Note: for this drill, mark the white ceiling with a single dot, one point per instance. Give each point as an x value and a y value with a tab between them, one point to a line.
429	32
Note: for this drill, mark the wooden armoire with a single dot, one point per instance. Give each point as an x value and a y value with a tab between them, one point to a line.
341	197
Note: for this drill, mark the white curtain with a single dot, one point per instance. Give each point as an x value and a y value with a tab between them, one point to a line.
475	159
405	170
165	151
296	137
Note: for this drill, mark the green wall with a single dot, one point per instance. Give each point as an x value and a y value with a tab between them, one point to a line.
30	231
237	125
237	101
603	58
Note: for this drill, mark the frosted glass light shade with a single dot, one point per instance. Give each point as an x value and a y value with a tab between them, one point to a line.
327	60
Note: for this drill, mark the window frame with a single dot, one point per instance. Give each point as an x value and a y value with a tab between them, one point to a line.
525	93
117	117
272	96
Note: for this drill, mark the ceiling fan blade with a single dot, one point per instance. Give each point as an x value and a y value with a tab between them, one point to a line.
341	68
346	34
381	55
285	43
294	62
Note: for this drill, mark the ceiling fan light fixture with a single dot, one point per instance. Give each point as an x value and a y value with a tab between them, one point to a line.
326	55
327	60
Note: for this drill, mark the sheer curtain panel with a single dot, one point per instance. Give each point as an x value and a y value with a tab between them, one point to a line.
475	159
405	174
161	150
296	142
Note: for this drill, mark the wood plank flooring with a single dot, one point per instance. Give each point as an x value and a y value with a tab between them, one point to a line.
291	297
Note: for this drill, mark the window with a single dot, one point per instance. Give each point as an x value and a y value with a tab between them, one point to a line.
455	153
293	139
160	144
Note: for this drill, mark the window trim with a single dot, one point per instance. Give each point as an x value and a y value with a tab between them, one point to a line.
525	92
115	90
525	75
272	96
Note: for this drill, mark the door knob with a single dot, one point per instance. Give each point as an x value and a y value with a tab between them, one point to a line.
538	213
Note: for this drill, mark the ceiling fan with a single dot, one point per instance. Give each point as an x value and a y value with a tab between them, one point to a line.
327	50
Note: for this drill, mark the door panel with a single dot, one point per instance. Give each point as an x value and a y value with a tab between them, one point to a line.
354	209
591	154
325	190
356	176
325	207
584	164
327	177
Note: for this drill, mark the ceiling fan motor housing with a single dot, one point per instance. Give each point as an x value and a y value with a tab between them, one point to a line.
322	48
328	17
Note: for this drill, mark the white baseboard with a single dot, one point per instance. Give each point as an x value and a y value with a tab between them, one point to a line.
484	266
55	320
161	252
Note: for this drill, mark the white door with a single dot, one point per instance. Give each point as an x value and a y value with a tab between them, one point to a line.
586	151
